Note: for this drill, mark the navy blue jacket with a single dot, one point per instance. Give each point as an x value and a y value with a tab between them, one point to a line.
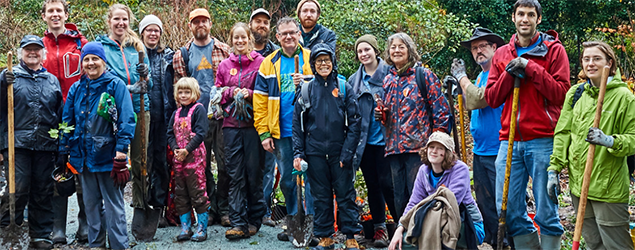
161	93
319	34
366	102
93	142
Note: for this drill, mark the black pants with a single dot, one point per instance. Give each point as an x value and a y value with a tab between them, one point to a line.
33	186
404	168
378	180
328	178
217	193
245	169
158	168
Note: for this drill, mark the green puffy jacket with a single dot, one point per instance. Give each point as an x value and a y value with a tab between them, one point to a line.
610	178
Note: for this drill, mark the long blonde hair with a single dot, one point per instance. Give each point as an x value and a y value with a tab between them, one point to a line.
130	37
250	36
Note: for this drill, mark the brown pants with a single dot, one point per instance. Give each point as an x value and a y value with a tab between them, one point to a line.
605	225
190	189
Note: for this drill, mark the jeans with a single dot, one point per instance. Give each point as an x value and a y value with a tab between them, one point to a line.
378	180
268	180
485	187
529	158
284	154
404	168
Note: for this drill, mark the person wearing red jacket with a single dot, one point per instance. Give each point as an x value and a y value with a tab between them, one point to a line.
541	62
63	43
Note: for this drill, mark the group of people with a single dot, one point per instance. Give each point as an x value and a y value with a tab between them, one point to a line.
256	105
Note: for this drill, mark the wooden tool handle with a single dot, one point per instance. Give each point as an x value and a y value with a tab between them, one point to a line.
297	63
10	127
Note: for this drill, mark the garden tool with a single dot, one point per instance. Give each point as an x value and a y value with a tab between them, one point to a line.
462	124
588	168
448	93
145	221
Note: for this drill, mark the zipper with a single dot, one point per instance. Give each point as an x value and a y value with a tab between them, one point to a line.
240	64
86	97
57	57
548	115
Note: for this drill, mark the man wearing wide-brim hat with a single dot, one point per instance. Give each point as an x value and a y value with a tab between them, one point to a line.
484	125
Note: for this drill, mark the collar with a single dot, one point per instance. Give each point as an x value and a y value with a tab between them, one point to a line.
31	71
533	39
297	52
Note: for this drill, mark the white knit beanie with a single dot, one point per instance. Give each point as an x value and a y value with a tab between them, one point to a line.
150	19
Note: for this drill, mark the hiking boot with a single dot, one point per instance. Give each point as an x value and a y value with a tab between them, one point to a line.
267	221
224	221
253	230
283	236
380	238
314	241
351	244
201	230
211	219
235	233
41	243
326	243
186	224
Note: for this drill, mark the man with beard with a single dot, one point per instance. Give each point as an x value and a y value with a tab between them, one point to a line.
308	12
484	125
259	24
199	58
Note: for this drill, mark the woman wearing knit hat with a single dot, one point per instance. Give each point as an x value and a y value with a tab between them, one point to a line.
367	82
98	145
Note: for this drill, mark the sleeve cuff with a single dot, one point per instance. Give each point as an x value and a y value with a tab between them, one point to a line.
122	148
265	135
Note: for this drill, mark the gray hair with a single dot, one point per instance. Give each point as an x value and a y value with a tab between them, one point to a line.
287	20
413	55
43	54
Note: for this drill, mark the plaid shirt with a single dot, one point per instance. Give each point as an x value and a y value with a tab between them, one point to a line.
220	52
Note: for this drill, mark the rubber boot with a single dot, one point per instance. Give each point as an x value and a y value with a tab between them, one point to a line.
528	241
186	224
81	236
60	207
550	242
201	230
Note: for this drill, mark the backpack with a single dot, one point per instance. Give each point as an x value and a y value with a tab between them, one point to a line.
423	90
630	160
306	103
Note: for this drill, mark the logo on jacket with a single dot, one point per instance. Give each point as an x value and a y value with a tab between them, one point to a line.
233	71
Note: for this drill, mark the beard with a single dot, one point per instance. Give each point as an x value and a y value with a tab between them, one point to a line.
308	23
201	34
261	38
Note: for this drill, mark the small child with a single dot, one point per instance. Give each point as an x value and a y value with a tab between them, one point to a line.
186	130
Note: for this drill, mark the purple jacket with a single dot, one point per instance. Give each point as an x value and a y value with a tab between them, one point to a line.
457	179
238	71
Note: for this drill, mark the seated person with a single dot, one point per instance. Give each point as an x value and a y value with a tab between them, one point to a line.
442	168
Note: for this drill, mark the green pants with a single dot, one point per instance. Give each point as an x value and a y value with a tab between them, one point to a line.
605	225
135	158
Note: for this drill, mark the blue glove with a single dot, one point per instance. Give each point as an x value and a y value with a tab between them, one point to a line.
553	186
597	137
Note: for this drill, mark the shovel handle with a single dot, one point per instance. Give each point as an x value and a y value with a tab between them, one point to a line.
588	168
11	128
462	128
296	59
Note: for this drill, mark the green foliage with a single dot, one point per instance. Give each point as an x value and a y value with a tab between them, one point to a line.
64	128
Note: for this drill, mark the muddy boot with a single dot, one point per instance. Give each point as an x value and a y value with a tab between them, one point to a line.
380	238
40	243
60	207
201	230
326	243
235	233
549	242
224	221
81	236
186	224
351	244
528	241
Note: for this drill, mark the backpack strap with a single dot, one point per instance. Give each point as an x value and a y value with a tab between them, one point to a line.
423	89
577	94
342	91
186	60
304	101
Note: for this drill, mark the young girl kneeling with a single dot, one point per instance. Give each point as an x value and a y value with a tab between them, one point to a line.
186	130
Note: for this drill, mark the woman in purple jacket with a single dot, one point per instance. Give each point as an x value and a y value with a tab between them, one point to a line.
441	167
236	77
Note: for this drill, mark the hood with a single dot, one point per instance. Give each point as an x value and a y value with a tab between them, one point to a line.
106	41
548	38
320	49
616	82
244	60
71	31
104	79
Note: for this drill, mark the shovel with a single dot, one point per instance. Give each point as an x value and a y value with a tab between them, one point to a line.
145	221
461	122
13	234
588	168
454	133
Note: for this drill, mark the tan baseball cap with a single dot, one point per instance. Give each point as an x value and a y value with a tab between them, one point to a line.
199	12
443	138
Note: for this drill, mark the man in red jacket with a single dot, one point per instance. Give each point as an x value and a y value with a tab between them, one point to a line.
541	63
63	43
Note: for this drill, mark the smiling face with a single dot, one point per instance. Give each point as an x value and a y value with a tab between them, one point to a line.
526	19
118	24
366	54
55	16
436	153
151	35
288	36
309	15
260	27
240	41
398	52
200	27
323	65
185	97
93	66
32	56
593	60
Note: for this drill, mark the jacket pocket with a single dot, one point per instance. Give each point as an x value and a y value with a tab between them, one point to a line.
103	149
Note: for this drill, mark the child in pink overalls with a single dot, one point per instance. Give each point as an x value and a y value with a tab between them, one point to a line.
186	130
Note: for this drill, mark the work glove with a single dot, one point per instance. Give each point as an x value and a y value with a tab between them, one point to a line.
62	159
9	77
451	82
553	186
516	67
597	137
458	69
120	174
143	70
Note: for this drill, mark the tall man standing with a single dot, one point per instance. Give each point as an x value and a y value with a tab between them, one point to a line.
541	63
204	53
308	12
484	125
274	96
64	43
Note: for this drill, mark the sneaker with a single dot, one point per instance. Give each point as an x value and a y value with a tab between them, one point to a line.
380	238
224	221
253	230
326	243
235	233
351	244
267	221
283	236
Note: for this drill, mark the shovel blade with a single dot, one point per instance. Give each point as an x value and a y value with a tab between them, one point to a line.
300	229
145	223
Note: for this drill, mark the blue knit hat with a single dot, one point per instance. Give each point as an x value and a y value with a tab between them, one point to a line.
94	48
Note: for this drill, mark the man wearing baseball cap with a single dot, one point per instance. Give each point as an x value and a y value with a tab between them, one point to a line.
38	105
199	58
484	125
162	103
260	25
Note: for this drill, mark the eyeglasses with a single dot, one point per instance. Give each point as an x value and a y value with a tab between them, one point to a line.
150	31
481	46
323	61
290	33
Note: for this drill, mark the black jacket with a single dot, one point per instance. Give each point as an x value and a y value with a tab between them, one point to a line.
161	93
38	107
